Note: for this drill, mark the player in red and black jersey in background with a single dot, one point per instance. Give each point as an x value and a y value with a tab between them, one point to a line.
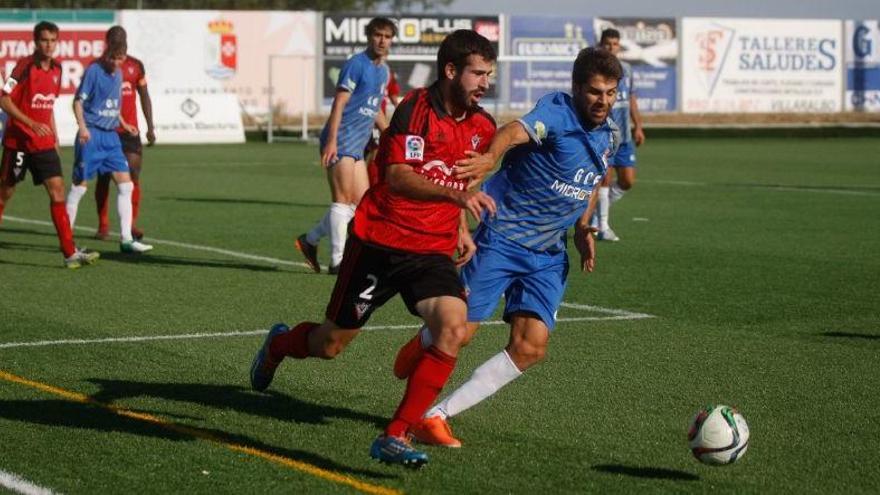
31	139
134	86
404	235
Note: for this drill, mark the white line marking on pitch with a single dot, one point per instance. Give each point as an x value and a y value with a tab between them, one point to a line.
768	187
20	485
196	247
615	314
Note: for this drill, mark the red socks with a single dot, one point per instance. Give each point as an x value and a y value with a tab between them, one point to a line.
294	343
422	389
135	202
102	191
62	227
1	211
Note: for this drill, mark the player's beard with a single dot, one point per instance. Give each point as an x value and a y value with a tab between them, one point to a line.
461	98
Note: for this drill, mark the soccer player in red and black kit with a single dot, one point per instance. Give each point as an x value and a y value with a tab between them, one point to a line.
134	80
404	235
31	139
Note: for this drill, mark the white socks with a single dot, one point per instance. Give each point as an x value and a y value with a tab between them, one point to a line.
340	215
76	193
615	192
495	373
123	207
321	229
603	205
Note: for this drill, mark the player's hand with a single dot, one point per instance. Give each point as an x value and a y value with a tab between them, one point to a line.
466	247
638	136
586	246
328	155
41	129
475	167
83	135
475	202
132	130
151	137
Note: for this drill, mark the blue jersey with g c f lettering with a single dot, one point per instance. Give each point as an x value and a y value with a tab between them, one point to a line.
100	94
366	81
544	186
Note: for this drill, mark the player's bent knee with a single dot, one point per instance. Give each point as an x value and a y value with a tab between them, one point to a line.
525	354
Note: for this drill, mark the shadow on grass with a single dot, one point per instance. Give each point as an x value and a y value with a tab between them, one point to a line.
172	261
20	246
15	230
67	414
852	335
646	472
273	405
242	201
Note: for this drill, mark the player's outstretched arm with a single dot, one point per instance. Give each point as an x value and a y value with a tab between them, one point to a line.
404	181
476	166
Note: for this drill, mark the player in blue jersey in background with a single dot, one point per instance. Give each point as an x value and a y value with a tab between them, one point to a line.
544	186
625	114
356	109
97	149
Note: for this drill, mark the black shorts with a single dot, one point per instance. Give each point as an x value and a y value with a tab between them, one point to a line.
370	275
131	145
42	164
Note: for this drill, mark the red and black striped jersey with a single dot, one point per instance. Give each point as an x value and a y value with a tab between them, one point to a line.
424	136
133	77
33	90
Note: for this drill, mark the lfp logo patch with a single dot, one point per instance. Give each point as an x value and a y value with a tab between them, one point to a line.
415	148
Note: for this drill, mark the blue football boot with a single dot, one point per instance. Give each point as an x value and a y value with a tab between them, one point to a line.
263	368
395	450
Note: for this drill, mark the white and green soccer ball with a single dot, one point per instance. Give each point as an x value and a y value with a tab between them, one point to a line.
718	435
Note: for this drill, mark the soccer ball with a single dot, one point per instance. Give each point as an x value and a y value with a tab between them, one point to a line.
718	435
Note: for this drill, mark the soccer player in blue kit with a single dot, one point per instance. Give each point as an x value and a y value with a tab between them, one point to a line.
624	112
356	108
545	186
97	149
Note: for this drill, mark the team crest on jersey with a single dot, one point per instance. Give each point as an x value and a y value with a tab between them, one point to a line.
475	141
540	130
415	148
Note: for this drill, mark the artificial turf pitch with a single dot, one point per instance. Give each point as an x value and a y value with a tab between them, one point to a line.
758	260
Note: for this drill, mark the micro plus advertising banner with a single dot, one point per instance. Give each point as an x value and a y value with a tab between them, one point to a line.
208	53
651	47
862	66
753	65
418	39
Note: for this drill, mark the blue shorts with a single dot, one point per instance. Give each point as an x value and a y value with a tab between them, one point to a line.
343	148
625	156
102	154
531	281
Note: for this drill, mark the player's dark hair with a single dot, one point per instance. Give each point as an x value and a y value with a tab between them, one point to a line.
44	26
458	46
595	61
377	23
609	33
115	34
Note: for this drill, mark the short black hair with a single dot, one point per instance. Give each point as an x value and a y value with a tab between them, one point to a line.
595	61
115	34
609	33
44	26
377	23
458	46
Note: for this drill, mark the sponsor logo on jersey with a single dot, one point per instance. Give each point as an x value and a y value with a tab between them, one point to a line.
415	148
42	102
441	174
360	309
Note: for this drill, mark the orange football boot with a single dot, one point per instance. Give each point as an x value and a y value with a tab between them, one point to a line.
434	431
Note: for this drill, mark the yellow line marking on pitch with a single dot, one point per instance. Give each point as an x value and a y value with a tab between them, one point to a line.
195	432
